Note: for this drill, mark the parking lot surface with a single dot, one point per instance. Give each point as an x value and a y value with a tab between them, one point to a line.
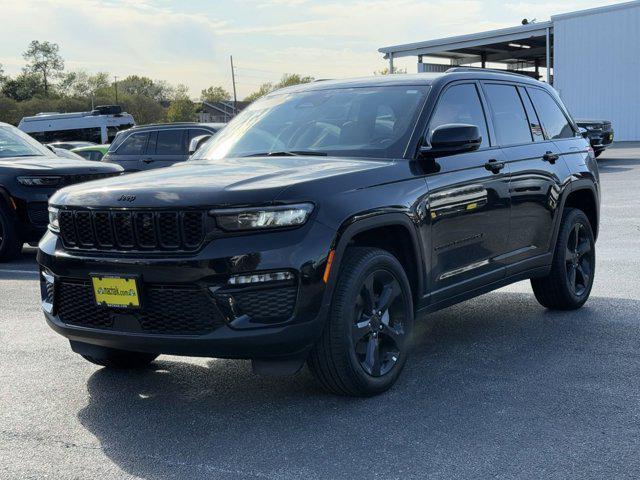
497	387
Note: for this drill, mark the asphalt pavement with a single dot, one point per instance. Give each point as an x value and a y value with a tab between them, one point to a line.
497	387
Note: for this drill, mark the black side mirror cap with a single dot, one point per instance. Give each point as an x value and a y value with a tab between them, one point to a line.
452	138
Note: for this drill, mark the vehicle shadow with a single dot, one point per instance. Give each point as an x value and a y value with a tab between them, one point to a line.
493	384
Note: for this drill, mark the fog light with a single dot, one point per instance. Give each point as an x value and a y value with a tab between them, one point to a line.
260	278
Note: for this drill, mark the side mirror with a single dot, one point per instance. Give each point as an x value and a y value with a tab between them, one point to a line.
453	138
583	132
197	142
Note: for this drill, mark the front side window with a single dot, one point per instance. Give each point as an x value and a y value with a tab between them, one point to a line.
134	145
14	143
553	120
509	118
372	121
460	104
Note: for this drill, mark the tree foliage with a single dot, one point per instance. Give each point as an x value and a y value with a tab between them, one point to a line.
214	94
44	60
24	87
287	80
181	108
159	91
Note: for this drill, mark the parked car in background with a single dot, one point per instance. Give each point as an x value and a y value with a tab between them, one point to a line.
29	174
98	126
156	146
599	133
322	220
70	145
64	153
93	152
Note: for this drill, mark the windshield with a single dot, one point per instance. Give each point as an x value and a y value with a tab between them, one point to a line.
354	122
15	143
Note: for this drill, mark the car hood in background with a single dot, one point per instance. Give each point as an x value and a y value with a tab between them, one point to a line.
54	165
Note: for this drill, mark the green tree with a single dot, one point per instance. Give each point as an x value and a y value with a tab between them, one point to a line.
9	110
23	87
44	60
136	85
82	84
214	94
3	77
287	80
181	108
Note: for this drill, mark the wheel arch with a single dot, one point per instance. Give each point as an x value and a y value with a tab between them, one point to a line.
583	195
393	232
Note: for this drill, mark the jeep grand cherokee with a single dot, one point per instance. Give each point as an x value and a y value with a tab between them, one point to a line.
321	220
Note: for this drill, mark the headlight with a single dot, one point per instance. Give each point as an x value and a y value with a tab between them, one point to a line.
262	217
54	219
39	181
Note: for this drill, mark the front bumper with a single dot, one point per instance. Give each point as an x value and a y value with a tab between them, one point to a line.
600	139
188	305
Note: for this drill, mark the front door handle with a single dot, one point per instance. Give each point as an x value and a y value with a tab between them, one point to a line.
550	157
494	166
148	160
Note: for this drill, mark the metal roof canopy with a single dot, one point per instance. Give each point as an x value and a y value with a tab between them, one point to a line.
525	43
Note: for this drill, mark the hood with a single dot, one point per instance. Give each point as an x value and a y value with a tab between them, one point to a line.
52	165
231	181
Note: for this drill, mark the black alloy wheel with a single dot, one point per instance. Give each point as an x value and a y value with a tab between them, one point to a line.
366	340
579	259
378	330
568	284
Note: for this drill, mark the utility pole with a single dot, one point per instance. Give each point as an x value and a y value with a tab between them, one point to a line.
233	80
115	84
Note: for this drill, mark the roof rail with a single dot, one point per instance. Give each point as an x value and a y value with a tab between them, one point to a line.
491	70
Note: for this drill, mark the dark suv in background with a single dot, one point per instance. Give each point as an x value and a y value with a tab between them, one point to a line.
599	133
29	174
156	146
321	220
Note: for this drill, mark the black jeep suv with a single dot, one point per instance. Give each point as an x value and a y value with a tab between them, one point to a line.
29	174
599	133
321	220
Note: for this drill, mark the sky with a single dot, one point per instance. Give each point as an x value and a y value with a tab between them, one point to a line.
190	41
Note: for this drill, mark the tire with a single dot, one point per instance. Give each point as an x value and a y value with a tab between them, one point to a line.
568	284
10	243
120	359
365	342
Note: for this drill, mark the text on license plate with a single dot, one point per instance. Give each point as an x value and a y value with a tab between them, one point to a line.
114	291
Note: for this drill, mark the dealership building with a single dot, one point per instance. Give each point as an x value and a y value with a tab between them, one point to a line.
592	58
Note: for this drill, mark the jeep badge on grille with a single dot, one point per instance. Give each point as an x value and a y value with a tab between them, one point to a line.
127	198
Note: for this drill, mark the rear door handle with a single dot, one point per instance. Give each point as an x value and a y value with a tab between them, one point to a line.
550	157
494	166
148	160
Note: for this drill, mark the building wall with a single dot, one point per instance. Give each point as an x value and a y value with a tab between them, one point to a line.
597	66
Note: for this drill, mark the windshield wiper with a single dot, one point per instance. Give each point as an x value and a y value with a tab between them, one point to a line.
289	153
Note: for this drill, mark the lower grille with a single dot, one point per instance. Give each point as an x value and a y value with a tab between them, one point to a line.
38	213
169	310
270	304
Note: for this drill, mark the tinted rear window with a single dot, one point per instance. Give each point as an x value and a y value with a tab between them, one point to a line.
553	120
509	118
170	142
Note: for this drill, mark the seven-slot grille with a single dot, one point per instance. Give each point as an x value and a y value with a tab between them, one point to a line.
127	230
